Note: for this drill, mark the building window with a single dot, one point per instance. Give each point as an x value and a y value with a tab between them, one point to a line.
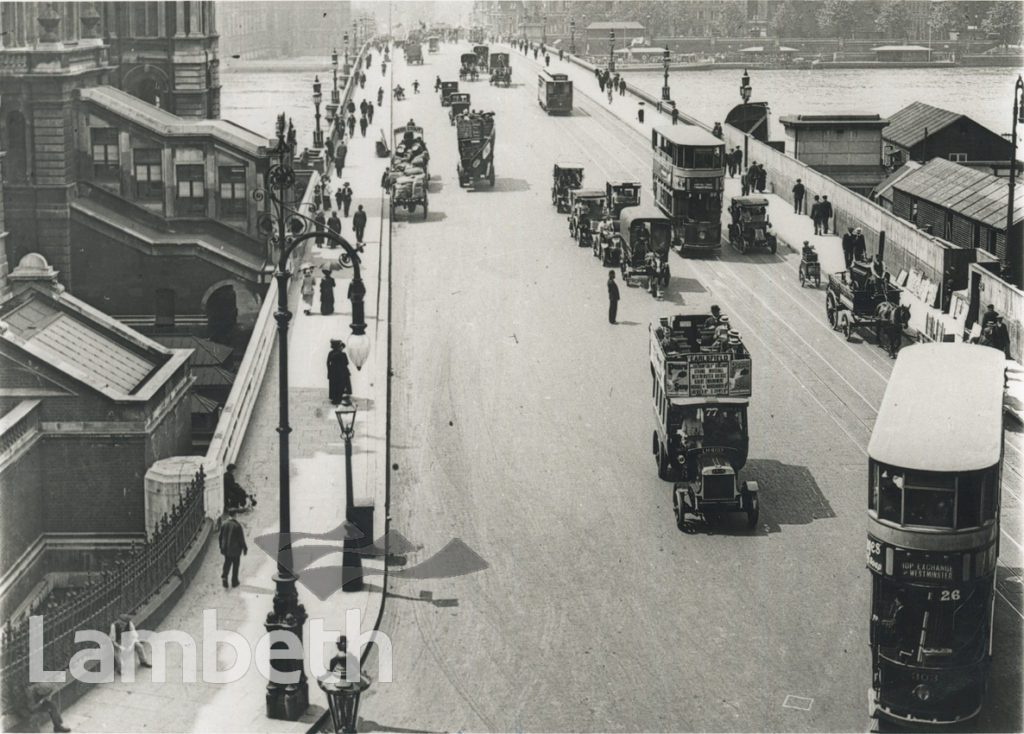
144	19
149	177
232	191
191	191
958	157
106	160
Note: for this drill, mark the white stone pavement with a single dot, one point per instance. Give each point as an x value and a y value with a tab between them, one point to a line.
317	500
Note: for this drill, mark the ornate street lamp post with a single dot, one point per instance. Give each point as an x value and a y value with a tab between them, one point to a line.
352	565
335	94
572	35
745	88
1012	260
318	135
666	93
346	69
288	229
544	30
611	50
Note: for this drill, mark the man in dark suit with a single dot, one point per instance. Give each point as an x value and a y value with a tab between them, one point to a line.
613	297
232	547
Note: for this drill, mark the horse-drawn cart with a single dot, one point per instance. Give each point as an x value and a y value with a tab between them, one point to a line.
856	298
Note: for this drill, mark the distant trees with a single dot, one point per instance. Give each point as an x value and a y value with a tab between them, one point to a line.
838	18
730	21
947	16
1005	21
794	20
894	19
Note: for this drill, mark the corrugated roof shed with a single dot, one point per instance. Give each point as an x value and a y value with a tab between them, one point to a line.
906	127
967	191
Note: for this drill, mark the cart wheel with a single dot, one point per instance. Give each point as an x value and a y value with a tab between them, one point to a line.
800	275
754	512
831	311
817	281
424	209
666	276
847	327
664	466
774	245
491	177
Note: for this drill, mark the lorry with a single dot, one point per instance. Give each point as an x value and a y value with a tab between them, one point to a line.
702	388
413	52
475	134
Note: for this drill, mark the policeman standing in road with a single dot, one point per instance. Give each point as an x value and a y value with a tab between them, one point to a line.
613	297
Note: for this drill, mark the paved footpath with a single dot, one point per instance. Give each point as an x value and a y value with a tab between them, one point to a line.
317	498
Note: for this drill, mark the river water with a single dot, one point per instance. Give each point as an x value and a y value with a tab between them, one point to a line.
252	95
983	94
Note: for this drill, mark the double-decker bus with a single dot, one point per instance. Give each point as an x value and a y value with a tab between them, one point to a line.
689	178
554	92
933	532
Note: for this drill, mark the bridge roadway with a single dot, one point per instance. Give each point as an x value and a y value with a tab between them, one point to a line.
522	425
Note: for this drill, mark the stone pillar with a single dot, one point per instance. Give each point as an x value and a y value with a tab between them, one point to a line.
167	481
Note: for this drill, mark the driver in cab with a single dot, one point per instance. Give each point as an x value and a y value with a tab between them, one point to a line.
692	430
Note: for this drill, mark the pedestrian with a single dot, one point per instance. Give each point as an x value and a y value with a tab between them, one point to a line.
380	95
234	494
730	160
622	87
369	111
848	247
326	293
334	224
989	317
351	107
609	94
339	380
308	282
362	80
359	223
362	125
760	178
369	58
615	81
351	125
640	113
319	221
675	114
232	547
340	151
338	202
717	130
860	246
749	179
798	197
600	80
437	84
547	60
613	297
816	214
346	198
826	214
535	52
362	107
326	199
39	696
127	645
561	54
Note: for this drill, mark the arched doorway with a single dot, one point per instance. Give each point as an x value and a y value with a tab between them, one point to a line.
148	84
222	315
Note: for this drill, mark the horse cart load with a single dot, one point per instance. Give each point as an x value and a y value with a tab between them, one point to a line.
501	69
702	375
565	177
586	210
413	53
475	133
859	297
467	67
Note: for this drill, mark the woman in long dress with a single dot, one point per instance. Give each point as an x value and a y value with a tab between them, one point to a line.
307	289
326	294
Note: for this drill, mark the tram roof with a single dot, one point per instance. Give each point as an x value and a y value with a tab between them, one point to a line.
687	135
942	409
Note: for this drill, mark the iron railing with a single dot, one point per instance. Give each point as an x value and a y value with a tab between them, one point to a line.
130	582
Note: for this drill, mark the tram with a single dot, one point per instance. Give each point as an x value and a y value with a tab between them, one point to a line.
554	92
933	533
689	179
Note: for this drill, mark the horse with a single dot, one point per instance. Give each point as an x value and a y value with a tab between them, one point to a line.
891	319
